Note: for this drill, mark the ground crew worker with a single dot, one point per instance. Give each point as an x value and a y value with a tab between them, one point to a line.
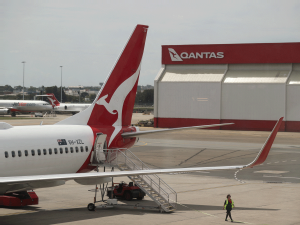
228	205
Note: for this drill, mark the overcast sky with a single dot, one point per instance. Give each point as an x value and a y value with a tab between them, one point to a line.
87	36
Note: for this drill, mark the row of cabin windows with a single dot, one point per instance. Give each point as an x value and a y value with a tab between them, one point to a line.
45	152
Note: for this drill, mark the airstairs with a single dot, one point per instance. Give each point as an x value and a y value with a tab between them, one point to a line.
160	192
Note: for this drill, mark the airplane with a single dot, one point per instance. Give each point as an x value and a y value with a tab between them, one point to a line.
33	157
65	107
13	106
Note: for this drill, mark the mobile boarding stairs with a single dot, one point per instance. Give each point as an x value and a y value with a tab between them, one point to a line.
123	159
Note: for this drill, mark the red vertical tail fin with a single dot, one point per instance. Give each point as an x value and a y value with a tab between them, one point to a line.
53	100
114	103
116	99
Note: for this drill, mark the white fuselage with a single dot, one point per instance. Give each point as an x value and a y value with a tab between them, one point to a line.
26	105
71	107
16	141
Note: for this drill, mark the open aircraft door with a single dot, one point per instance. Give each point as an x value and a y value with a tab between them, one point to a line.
98	155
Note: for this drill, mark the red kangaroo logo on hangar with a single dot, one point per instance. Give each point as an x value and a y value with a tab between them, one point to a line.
194	55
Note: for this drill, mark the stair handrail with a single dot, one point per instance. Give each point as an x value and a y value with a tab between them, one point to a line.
153	182
145	166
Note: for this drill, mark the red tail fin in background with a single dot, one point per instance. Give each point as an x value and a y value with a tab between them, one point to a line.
53	100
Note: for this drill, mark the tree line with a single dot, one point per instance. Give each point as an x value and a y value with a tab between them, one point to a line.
145	98
142	98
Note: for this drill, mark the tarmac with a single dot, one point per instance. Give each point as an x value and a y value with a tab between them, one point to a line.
266	194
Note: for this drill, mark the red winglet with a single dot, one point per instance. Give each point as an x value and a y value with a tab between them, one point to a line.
263	153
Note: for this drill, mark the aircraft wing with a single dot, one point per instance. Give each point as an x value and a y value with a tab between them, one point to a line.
22	180
139	133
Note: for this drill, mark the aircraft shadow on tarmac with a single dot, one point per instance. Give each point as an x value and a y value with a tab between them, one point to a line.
47	217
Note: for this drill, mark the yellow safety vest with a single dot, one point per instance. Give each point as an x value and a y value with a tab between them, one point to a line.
227	203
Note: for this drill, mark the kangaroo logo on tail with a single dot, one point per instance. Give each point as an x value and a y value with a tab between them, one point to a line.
115	105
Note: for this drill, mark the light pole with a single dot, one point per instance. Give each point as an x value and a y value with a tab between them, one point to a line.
61	83
23	76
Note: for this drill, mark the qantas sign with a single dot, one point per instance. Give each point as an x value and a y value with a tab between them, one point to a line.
194	55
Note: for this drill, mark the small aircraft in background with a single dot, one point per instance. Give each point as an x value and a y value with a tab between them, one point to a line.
65	107
12	106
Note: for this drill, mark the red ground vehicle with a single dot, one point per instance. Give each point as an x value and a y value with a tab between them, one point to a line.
126	191
18	199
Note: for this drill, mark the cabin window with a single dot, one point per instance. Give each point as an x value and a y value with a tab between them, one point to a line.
86	148
32	152
66	150
39	152
61	150
76	148
13	154
71	150
81	148
26	153
6	154
50	151
19	153
45	151
55	151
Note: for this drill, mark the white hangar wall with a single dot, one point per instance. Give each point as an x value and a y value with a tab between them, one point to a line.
249	95
189	92
252	93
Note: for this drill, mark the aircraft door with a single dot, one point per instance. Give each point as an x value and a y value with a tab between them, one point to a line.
98	155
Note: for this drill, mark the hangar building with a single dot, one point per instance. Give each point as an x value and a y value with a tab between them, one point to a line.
251	85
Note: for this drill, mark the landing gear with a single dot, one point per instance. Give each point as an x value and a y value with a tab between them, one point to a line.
13	114
91	207
103	189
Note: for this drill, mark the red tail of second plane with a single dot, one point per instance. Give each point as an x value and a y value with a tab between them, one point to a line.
53	100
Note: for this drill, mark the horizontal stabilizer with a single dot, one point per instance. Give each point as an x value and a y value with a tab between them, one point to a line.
139	133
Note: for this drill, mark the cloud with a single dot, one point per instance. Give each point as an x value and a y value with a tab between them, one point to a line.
86	37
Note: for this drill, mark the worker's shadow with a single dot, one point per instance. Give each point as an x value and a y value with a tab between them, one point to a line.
189	207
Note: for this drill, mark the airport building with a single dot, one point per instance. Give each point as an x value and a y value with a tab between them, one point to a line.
251	85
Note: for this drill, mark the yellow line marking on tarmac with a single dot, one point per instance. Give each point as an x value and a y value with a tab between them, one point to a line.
136	146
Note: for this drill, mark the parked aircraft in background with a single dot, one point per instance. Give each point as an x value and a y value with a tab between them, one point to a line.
45	156
13	106
66	107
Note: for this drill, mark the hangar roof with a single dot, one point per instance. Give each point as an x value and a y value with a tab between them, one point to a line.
194	73
295	75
